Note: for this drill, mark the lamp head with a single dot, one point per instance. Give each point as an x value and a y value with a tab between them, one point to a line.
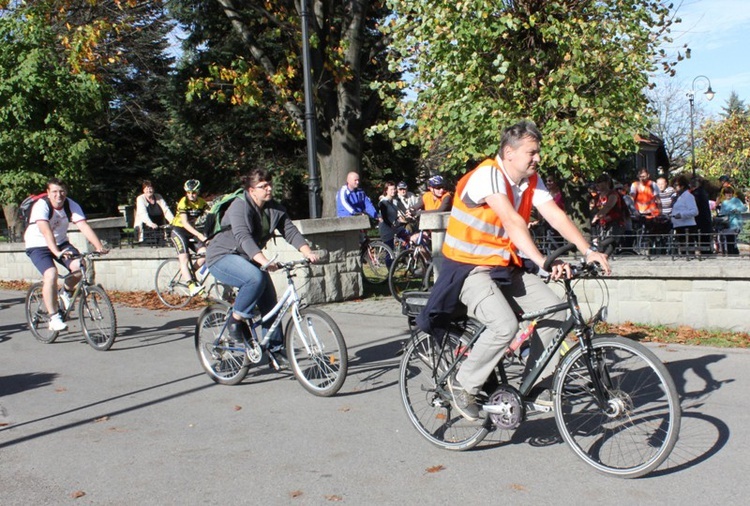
709	93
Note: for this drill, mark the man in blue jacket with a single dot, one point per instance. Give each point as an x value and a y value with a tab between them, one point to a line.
352	200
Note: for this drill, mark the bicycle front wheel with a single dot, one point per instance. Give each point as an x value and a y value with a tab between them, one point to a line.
427	400
376	257
317	352
224	361
171	290
637	429
97	317
406	273
37	316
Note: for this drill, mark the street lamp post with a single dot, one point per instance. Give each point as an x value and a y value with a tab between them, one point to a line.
691	97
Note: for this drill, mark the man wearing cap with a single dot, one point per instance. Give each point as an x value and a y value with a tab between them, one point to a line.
436	198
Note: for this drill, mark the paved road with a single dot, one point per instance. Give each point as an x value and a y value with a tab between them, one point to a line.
141	424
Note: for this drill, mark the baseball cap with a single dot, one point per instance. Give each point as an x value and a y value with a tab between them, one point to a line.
402	185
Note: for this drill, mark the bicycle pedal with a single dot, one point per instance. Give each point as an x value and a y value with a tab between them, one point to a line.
539	408
254	352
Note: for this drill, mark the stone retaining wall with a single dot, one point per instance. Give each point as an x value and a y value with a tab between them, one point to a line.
134	269
713	293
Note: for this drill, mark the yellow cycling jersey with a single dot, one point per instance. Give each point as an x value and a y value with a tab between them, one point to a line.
194	210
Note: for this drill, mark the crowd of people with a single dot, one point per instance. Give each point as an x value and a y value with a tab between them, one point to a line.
657	208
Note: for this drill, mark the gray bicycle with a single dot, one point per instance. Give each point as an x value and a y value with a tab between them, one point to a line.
615	403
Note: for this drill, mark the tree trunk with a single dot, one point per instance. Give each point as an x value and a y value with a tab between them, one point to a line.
13	220
334	168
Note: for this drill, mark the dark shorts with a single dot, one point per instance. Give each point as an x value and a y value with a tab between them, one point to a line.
43	259
184	241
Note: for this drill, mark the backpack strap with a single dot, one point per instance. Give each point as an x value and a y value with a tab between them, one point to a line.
51	210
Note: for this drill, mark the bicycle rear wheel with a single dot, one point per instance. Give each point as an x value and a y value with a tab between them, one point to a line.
37	316
375	259
429	278
428	403
171	290
406	273
638	428
97	317
318	356
224	361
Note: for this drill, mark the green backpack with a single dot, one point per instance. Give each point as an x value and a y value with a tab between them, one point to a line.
212	225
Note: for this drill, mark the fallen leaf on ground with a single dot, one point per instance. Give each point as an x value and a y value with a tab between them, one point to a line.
237	408
296	493
435	469
102	419
334	498
77	494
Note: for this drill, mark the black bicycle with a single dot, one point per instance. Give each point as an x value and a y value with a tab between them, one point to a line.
95	310
615	403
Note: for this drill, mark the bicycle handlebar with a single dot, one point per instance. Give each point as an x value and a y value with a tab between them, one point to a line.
322	256
606	246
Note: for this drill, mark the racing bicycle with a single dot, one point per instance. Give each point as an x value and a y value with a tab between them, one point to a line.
95	310
614	402
174	292
314	344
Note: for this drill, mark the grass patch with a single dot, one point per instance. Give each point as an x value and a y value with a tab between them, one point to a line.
678	335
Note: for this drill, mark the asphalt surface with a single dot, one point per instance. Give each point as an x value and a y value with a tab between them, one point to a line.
142	424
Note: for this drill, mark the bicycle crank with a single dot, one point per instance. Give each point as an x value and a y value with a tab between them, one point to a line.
505	407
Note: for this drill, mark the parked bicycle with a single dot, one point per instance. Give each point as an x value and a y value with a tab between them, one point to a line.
314	344
409	270
174	292
615	403
375	257
95	310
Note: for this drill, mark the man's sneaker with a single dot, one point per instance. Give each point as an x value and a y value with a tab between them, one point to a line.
463	401
194	288
277	357
541	396
64	296
56	324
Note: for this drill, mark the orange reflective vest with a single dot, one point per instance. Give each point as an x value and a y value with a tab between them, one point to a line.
645	200
475	235
432	203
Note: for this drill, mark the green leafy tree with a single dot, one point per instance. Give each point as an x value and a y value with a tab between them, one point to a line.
83	80
576	68
46	111
256	62
725	148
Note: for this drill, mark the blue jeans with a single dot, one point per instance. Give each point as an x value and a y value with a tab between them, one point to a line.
255	286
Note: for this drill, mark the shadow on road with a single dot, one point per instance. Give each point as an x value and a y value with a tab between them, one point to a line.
101	414
17	383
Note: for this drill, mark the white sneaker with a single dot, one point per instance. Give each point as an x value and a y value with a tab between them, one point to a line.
64	299
194	288
56	324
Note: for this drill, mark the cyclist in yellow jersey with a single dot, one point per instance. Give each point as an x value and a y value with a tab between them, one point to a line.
189	209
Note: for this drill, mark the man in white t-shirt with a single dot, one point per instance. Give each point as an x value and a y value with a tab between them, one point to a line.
490	254
46	240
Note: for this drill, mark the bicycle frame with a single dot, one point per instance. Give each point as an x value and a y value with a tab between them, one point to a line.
575	321
290	298
80	285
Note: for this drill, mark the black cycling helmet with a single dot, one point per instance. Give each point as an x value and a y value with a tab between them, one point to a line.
436	182
192	185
